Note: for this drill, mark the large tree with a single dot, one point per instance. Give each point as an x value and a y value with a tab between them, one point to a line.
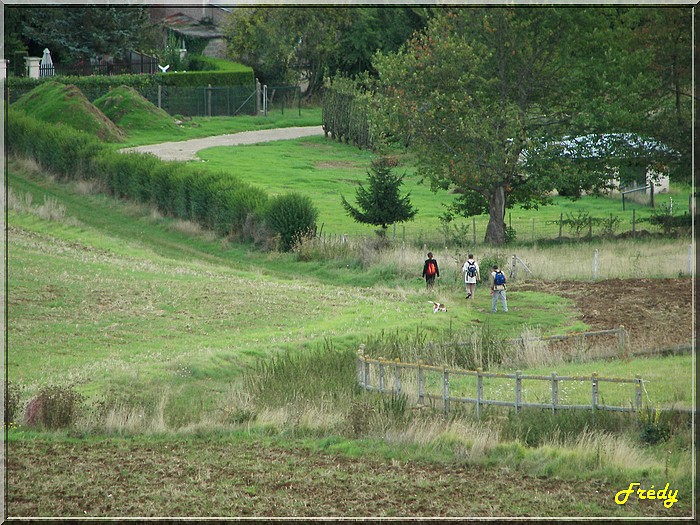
484	97
78	33
305	44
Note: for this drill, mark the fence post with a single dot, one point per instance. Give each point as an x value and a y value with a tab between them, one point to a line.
445	390
397	376
638	394
381	376
621	338
594	391
634	223
479	392
367	365
421	393
561	224
160	96
690	259
209	100
555	391
518	390
595	265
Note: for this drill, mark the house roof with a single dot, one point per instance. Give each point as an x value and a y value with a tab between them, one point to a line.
188	26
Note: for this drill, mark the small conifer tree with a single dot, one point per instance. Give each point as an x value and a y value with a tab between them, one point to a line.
381	203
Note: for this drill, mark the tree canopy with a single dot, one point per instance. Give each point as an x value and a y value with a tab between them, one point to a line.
78	33
487	96
305	44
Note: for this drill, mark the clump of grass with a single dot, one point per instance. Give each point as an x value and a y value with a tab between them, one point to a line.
469	348
13	399
54	407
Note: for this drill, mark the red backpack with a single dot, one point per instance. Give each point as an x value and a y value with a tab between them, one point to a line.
432	269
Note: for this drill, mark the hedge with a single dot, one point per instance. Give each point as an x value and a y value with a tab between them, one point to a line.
93	87
217	201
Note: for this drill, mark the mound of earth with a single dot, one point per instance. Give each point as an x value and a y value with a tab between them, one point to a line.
127	108
657	313
66	104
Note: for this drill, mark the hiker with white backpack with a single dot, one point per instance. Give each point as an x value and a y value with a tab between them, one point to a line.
498	289
470	269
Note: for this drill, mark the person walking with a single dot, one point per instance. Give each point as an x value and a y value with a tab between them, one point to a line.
498	289
471	275
430	271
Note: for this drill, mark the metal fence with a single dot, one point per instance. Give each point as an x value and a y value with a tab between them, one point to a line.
440	386
209	101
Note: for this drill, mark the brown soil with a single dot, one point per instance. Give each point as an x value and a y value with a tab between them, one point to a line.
656	313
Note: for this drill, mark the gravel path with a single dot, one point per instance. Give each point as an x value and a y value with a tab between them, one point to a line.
187	149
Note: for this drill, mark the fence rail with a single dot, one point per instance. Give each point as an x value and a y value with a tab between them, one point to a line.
385	376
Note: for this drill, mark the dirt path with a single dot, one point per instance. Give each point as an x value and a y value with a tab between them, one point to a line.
187	149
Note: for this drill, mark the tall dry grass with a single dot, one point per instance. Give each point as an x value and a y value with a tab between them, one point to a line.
617	259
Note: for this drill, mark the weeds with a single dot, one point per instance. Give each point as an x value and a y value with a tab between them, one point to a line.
54	407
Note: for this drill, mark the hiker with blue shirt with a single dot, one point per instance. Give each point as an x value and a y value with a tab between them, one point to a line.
498	289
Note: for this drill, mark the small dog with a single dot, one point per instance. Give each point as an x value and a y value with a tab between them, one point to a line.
438	307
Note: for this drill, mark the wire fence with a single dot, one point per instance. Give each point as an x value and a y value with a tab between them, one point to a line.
581	227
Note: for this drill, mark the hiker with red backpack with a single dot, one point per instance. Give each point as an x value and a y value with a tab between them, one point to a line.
498	289
430	270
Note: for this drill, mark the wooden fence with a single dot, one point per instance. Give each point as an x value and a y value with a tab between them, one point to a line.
387	376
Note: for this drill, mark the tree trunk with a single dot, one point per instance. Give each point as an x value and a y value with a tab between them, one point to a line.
496	229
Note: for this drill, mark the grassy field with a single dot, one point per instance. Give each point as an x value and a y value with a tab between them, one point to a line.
224	376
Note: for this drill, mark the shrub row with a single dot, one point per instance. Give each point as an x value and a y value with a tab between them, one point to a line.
96	86
345	114
217	201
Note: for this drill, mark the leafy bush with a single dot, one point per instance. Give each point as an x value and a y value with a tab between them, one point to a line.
54	407
671	224
291	216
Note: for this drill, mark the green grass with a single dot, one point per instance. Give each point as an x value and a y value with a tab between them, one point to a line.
180	340
58	103
324	170
198	127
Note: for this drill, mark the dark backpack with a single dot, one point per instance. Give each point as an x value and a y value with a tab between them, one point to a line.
499	279
471	270
431	269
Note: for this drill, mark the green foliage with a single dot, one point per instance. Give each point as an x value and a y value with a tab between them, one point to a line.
322	373
346	112
381	204
13	398
79	33
663	216
291	216
217	201
480	88
54	407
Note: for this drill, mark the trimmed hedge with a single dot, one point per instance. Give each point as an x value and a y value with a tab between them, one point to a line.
217	201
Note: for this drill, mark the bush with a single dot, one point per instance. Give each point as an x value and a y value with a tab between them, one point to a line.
53	407
13	396
291	216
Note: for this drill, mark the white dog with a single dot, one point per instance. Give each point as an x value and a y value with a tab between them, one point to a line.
438	307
